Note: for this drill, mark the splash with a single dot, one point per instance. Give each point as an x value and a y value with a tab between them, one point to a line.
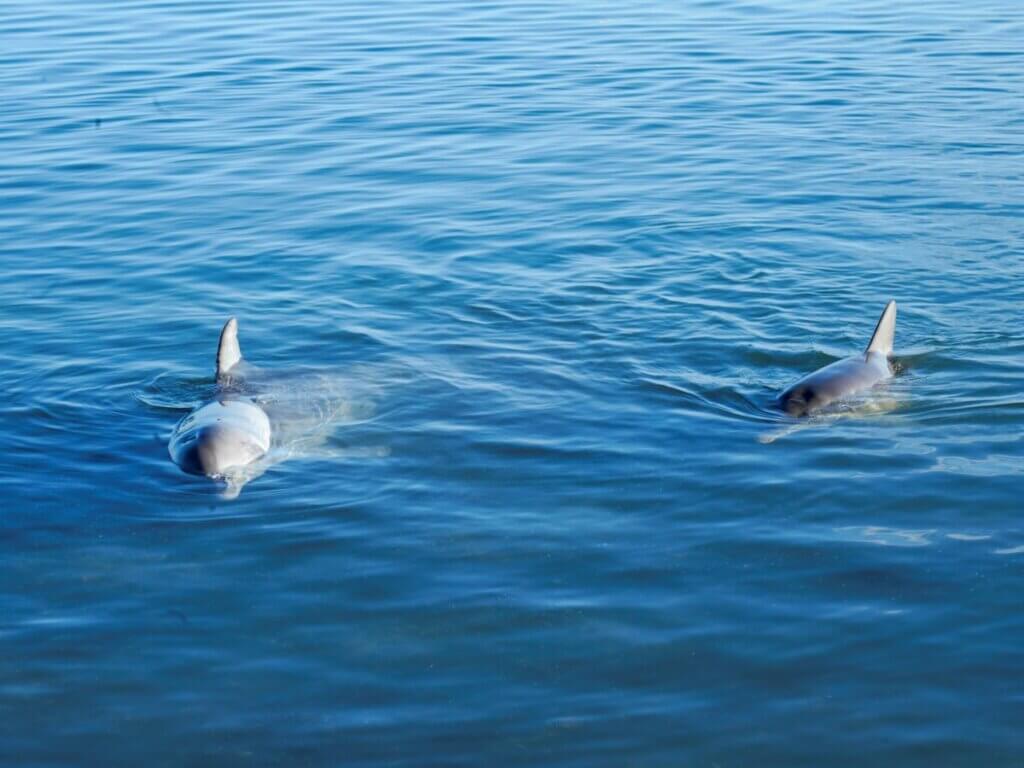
861	406
306	410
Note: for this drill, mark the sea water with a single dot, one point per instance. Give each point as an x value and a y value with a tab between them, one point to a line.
537	271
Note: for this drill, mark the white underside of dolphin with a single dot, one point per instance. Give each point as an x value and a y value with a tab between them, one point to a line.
845	377
226	435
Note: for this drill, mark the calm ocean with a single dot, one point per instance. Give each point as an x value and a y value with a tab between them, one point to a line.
528	275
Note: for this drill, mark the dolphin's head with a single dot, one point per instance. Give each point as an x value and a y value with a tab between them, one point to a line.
801	400
213	449
221	435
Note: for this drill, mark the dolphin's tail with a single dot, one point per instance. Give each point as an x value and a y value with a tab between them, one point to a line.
881	339
228	351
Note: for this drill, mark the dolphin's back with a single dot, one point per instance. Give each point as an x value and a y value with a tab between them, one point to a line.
846	376
841	378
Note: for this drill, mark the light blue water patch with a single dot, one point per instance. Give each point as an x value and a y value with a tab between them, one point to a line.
550	263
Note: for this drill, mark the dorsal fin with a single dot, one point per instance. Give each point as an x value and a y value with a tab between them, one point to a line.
881	339
228	351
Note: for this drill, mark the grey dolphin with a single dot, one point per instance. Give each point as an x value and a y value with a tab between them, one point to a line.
229	432
844	377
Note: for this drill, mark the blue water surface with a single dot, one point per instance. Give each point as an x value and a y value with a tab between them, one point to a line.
531	274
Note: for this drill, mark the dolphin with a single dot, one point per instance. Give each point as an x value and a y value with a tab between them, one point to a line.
847	376
228	433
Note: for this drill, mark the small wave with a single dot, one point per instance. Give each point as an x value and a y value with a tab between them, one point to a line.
886	537
172	392
721	401
1018	550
